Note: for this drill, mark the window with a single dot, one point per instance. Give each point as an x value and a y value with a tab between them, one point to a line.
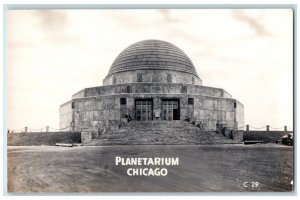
169	78
139	77
234	105
184	89
193	80
144	109
73	105
155	78
123	101
190	101
114	80
128	89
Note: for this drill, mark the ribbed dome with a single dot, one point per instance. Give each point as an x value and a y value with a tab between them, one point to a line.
152	55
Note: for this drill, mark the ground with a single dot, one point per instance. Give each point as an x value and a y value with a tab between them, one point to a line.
206	168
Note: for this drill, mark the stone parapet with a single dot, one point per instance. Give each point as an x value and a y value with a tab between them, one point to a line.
154	88
86	137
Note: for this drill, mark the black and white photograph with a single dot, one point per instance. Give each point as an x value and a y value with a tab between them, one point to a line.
154	100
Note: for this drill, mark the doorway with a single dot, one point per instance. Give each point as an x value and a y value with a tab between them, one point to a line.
144	109
170	109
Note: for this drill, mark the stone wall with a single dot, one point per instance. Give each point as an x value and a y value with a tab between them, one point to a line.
93	114
238	135
152	76
267	136
239	113
86	137
97	114
42	138
66	116
154	88
212	111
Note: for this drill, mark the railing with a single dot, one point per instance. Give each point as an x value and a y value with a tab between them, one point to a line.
43	129
269	128
201	125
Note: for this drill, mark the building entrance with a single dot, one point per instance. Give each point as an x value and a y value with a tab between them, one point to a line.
170	109
144	109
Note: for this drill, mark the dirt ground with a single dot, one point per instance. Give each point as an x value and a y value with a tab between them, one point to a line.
218	168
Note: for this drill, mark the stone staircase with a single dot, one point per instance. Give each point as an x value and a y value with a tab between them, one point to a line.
160	132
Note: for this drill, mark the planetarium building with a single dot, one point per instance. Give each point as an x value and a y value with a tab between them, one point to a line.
151	80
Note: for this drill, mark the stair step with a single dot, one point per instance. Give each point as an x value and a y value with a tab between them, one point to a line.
161	132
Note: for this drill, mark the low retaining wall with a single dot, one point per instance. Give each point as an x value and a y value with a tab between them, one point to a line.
51	138
238	136
267	136
42	138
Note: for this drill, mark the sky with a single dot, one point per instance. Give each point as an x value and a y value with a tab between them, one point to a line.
52	54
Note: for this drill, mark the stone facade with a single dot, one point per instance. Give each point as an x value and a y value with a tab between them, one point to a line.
42	138
160	89
152	76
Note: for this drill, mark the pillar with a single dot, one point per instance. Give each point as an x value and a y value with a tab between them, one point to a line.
86	137
157	109
285	129
247	128
268	128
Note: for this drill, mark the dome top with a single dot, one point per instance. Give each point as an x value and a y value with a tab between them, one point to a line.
152	55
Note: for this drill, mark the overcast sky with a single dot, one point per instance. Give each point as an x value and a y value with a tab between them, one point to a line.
53	54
